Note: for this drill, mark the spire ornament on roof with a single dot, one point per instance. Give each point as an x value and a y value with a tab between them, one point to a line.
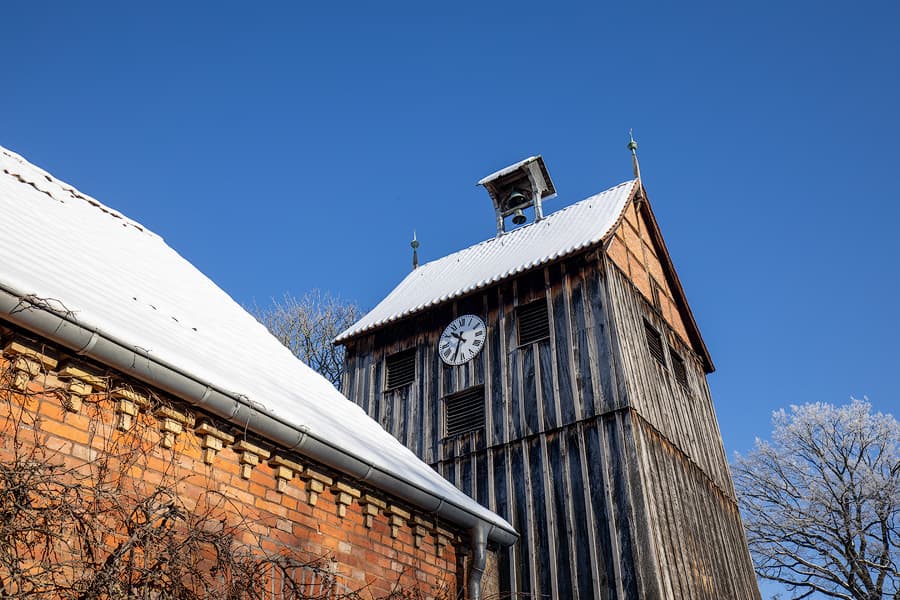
415	246
632	145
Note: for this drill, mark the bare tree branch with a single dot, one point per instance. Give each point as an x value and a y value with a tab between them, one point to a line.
307	327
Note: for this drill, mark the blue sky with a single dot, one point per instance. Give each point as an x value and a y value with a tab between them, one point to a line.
280	148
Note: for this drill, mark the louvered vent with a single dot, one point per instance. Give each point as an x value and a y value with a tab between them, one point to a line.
678	367
533	322
401	368
465	411
654	343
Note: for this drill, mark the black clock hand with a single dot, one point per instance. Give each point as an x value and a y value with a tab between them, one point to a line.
459	342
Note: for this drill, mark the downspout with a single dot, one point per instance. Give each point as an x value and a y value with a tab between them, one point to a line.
479	540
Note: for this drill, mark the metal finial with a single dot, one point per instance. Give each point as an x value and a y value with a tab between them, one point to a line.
632	145
415	246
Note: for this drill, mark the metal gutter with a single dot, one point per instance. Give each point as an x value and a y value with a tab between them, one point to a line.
26	312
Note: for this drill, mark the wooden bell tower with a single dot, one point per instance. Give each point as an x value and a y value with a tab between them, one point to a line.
555	373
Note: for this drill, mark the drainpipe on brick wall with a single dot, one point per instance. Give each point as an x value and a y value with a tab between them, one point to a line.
479	558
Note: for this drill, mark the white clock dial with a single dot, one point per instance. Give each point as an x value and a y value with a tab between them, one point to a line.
462	340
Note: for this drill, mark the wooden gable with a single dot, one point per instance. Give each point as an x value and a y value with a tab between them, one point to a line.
637	247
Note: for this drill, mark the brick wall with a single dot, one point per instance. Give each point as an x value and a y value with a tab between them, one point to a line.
100	430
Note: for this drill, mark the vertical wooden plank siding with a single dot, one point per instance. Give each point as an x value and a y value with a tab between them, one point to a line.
529	397
584	377
498	400
589	573
540	516
613	472
600	487
701	549
525	563
482	479
685	416
500	486
699	524
530	389
561	332
562	532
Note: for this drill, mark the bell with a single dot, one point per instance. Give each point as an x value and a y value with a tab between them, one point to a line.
519	217
516	198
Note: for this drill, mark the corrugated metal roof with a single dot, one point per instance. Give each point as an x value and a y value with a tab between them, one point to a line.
560	234
114	276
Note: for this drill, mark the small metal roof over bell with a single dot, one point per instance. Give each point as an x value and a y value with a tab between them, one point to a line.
518	187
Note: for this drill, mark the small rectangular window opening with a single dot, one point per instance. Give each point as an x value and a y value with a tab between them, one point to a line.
654	343
401	369
654	289
533	321
678	368
465	411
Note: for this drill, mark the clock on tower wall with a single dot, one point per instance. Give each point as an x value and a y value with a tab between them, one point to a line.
583	417
462	340
407	376
464	348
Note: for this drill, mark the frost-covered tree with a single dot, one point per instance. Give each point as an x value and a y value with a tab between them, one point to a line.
821	502
307	327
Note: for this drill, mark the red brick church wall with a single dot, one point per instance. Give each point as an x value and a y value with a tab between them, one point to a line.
79	416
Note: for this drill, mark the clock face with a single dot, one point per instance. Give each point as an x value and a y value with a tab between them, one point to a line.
462	340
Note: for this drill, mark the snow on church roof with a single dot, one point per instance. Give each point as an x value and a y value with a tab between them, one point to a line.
113	276
560	234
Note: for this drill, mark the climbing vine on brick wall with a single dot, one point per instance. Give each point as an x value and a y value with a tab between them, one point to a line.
94	510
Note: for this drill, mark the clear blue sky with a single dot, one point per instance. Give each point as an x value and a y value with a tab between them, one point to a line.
281	148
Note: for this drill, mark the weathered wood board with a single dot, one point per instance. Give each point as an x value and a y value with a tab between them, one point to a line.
613	472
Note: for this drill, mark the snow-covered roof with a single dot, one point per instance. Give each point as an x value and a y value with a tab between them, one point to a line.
560	234
506	170
115	277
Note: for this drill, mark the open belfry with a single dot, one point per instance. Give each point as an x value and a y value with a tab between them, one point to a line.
556	374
